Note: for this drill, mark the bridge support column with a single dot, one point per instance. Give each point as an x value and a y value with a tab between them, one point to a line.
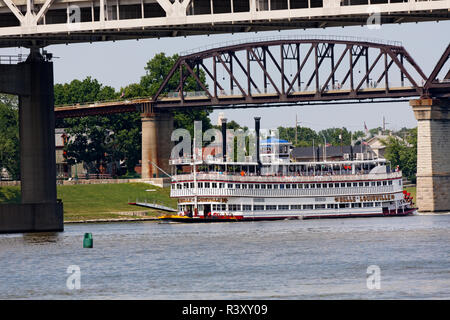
39	210
433	154
157	129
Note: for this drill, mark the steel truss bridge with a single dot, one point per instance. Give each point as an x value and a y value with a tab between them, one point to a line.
286	72
38	23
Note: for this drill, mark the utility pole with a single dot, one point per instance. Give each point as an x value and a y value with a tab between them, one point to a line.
295	129
324	149
314	152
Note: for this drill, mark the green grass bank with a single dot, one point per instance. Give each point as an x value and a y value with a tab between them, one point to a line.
101	201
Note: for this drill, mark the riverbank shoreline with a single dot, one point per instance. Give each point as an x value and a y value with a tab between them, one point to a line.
112	220
155	218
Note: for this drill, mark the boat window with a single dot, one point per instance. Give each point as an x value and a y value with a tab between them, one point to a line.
192	185
342	185
185	185
306	185
300	186
214	184
263	186
207	185
200	184
247	207
356	205
234	207
230	186
294	186
318	185
344	205
281	186
288	186
222	207
390	182
355	184
221	185
366	183
244	186
349	184
250	186
308	206
368	204
238	186
377	204
258	207
296	207
384	183
320	206
378	183
361	184
271	207
269	186
214	207
372	183
275	186
283	207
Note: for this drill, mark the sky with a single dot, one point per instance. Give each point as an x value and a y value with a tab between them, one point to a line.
120	63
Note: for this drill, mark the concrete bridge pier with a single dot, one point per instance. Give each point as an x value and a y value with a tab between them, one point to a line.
433	154
157	127
39	209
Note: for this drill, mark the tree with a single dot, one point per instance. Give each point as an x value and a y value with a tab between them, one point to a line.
333	135
403	153
156	71
91	138
9	135
305	136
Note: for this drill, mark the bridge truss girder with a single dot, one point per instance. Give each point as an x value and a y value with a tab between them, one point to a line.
324	70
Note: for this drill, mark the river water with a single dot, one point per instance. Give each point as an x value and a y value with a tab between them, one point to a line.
311	259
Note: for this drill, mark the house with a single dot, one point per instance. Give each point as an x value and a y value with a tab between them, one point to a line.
376	144
63	169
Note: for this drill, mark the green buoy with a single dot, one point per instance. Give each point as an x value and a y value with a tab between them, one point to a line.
88	242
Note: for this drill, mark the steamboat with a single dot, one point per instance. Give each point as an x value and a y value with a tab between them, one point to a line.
275	187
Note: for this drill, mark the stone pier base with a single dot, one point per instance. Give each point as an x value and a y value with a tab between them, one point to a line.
156	143
31	217
433	154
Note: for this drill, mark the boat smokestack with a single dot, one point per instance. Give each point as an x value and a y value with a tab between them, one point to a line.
224	139
257	128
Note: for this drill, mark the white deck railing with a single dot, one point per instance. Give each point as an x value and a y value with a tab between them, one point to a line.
225	192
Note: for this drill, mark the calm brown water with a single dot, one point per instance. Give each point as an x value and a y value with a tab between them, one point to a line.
314	259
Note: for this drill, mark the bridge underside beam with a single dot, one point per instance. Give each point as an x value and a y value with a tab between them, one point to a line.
39	210
433	154
86	21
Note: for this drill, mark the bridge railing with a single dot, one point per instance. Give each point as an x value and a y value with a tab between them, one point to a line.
12	59
292	38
